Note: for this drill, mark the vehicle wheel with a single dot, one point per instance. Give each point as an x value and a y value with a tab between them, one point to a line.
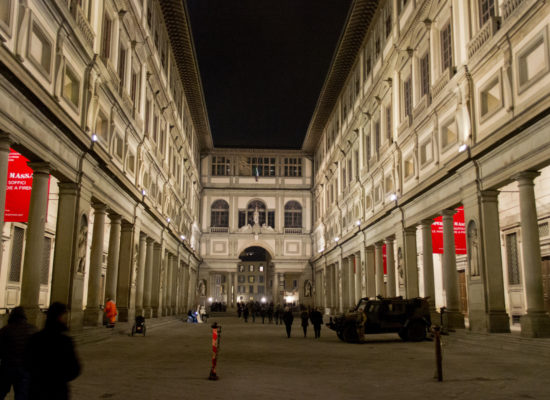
403	334
350	333
416	331
339	334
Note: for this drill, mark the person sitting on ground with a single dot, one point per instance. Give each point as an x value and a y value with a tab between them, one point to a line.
110	312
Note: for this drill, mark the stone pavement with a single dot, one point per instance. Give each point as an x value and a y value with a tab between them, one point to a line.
258	362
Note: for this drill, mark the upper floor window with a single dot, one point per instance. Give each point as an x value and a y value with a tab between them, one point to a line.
219	214
388	23
293	167
122	65
221	166
486	11
407	97
425	75
388	124
106	36
446	48
262	166
293	215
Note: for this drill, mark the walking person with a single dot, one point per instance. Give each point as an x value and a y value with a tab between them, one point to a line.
305	317
110	312
287	319
51	358
245	313
13	341
316	321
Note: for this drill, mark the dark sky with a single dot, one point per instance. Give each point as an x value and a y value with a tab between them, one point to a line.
263	64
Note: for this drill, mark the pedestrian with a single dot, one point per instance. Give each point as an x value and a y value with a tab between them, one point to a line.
110	312
239	309
262	313
245	313
287	319
270	313
13	341
304	316
316	321
253	311
50	357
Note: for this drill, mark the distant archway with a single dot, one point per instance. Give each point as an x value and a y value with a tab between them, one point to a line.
254	275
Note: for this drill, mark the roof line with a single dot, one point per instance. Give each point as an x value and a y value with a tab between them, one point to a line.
351	39
181	39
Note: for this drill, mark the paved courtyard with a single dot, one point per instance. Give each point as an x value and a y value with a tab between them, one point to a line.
258	362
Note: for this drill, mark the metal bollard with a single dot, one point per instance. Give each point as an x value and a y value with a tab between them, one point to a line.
438	356
216	335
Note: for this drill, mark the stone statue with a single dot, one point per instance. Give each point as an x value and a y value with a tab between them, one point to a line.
82	244
256	216
400	270
473	250
202	288
307	289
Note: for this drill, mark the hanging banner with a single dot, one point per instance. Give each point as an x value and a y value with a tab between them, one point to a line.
18	188
384	258
459	231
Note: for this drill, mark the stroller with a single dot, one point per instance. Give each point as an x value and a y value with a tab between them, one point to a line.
139	325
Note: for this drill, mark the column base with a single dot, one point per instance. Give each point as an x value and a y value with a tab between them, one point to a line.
148	312
498	322
454	319
156	312
76	319
535	325
126	314
93	317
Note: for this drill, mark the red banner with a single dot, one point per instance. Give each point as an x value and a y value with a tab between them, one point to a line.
459	230
384	258
18	188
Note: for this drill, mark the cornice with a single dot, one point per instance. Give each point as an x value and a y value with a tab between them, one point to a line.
181	39
351	39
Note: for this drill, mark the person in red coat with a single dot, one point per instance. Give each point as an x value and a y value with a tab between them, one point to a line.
110	312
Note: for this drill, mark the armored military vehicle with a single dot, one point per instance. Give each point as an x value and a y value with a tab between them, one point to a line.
410	318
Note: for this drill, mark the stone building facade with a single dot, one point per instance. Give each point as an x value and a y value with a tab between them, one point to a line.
103	97
430	106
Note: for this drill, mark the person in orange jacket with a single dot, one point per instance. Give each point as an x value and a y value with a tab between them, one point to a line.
110	312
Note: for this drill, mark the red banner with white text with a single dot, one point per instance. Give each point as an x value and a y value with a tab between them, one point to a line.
459	230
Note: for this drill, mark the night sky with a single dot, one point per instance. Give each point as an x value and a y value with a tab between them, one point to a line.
263	64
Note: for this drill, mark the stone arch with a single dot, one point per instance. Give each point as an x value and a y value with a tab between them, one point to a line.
258	243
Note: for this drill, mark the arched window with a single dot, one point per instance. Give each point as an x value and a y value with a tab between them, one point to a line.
293	215
219	214
251	209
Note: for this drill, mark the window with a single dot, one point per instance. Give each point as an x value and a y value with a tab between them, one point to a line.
242	218
40	50
261	269
251	278
446	48
344	180
377	136
424	74
122	66
486	11
350	169
45	267
16	254
449	134
367	147
241	278
271	219
388	23
533	61
408	167
512	259
260	166
491	97
102	128
131	162
106	37
377	47
407	97
219	214
261	289
293	167
251	289
118	146
389	136
388	183
221	166
147	115
293	215
71	86
5	12
134	89
251	268
425	152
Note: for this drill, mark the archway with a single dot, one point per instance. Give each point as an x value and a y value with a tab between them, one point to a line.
254	276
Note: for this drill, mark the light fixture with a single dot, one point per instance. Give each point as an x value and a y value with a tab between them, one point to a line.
462	147
393	197
210	299
182	237
94	138
358	222
143	192
336	239
263	300
168	220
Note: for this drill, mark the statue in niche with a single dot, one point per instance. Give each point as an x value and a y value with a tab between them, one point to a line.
400	270
202	288
307	288
256	216
82	244
473	249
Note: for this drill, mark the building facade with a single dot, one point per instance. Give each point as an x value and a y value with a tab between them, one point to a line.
432	107
104	99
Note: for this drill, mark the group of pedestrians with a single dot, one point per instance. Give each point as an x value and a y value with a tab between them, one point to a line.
307	315
38	365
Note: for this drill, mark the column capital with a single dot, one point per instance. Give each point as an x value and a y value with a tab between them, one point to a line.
99	208
127	226
5	141
150	240
158	246
40	167
115	218
411	230
426	222
489	196
389	239
448	213
526	177
67	188
378	245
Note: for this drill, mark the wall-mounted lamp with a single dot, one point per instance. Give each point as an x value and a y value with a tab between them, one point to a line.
182	237
94	138
393	197
168	220
463	147
143	192
358	222
336	239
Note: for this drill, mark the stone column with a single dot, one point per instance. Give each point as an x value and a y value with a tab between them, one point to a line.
361	267
229	282
379	271
536	323
450	275
140	281
339	284
5	143
65	239
410	261
93	315
155	289
369	269
275	288
498	320
148	279
165	276
351	282
186	283
174	278
125	307
357	267
170	275
345	282
112	258
390	264
428	261
34	243
331	303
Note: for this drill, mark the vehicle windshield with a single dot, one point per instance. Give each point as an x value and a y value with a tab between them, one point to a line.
362	305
